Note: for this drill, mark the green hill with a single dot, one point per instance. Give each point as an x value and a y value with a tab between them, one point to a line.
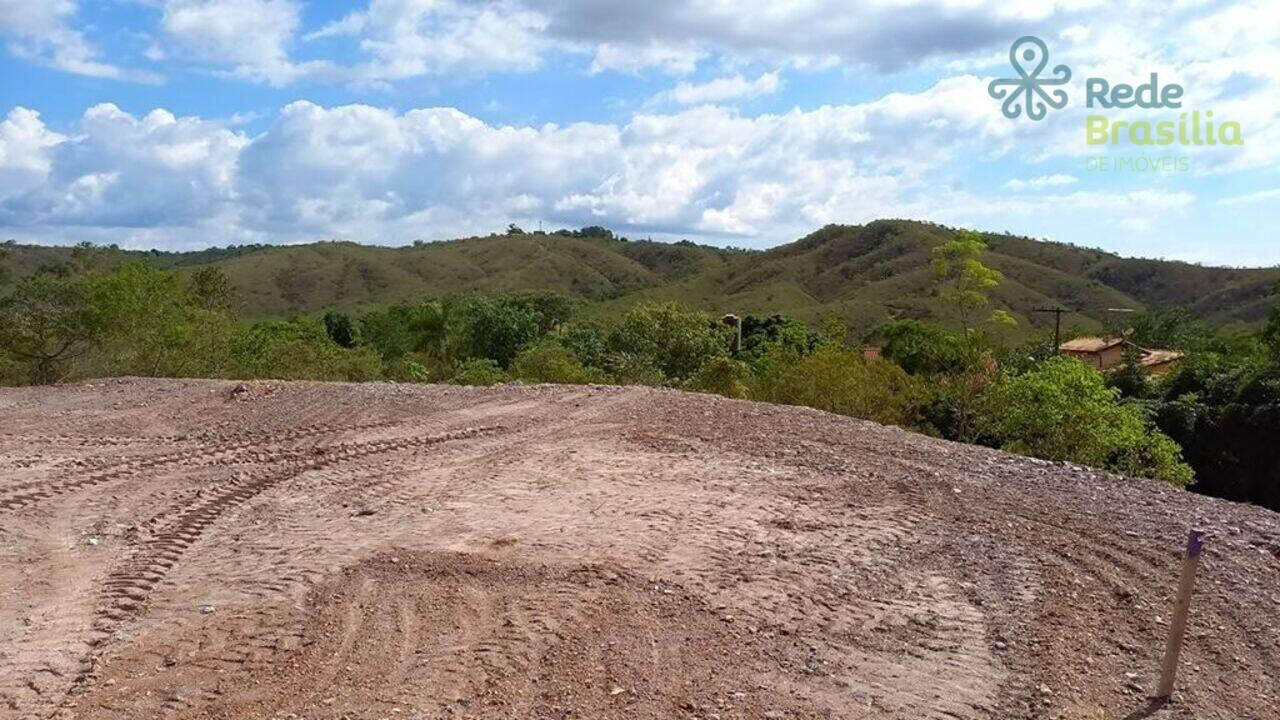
866	274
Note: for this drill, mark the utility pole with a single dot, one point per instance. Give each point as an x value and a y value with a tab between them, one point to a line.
1057	326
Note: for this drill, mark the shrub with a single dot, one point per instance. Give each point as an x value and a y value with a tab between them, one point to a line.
339	328
1063	410
46	323
843	382
479	371
551	362
499	328
629	369
673	340
723	376
918	347
587	343
298	350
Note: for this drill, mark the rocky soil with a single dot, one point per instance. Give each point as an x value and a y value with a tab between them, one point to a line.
193	549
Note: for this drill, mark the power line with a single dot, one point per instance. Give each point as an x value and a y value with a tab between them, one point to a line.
1057	326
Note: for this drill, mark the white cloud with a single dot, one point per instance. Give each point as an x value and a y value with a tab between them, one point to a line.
409	38
119	171
42	32
1252	198
250	37
25	145
1043	181
886	34
378	175
673	59
721	89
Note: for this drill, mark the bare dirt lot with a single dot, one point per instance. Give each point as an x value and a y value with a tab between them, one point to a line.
189	549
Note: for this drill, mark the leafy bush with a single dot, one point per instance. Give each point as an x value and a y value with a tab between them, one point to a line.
152	325
723	376
499	328
630	369
1063	410
298	350
587	343
47	322
340	329
918	347
479	371
673	340
551	362
844	382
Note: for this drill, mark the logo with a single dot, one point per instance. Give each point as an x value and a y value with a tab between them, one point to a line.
1028	89
1115	114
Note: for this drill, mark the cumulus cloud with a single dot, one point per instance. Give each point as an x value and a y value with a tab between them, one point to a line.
884	34
25	145
381	175
118	170
719	90
252	38
1041	182
378	175
43	32
408	38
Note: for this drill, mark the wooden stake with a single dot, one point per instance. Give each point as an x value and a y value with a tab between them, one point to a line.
1178	626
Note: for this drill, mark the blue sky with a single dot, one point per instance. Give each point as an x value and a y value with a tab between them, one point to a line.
190	123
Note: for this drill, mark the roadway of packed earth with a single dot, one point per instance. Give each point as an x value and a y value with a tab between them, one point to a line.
211	549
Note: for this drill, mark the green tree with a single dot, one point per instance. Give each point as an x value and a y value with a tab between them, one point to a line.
1173	328
964	283
919	347
721	375
551	362
498	328
479	371
46	322
552	310
149	323
212	289
1270	335
430	334
842	381
671	339
1130	379
340	329
297	349
1063	410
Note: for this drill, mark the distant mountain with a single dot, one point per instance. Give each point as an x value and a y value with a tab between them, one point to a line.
866	273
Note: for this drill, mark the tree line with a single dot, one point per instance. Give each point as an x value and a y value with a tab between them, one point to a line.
961	381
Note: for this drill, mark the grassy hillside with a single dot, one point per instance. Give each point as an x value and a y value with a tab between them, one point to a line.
866	274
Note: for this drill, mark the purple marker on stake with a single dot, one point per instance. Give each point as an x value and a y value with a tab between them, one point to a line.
1195	543
1178	627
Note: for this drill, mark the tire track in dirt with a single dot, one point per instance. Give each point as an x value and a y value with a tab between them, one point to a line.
30	493
461	635
855	569
125	590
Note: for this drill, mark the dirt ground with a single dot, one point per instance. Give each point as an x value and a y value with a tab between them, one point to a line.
191	549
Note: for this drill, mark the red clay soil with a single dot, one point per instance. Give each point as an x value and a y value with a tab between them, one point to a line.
193	549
